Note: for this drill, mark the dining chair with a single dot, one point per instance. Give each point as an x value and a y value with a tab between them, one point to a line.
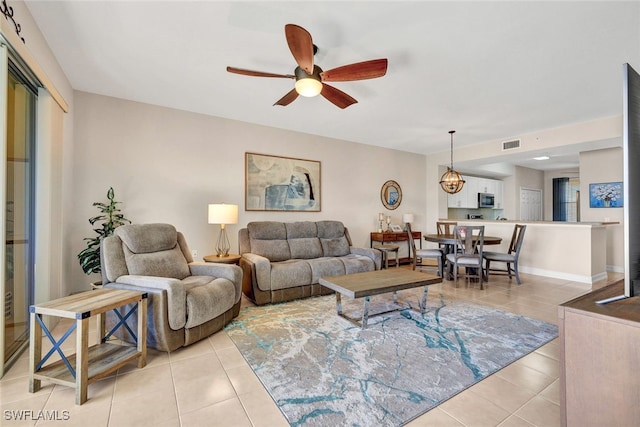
468	252
420	254
446	228
510	258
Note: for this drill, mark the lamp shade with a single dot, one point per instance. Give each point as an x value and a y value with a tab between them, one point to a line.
407	218
223	214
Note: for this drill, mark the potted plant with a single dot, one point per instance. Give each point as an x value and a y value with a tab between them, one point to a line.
109	219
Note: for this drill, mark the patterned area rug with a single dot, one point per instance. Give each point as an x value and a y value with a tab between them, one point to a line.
322	370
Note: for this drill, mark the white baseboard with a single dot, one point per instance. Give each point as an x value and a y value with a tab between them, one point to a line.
587	280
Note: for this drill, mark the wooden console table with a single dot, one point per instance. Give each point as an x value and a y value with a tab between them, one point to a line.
599	359
91	363
401	236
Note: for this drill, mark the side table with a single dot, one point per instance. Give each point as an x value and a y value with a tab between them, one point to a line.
229	259
91	363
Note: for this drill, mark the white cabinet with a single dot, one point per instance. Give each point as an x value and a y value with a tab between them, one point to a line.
456	200
486	185
498	200
467	198
472	185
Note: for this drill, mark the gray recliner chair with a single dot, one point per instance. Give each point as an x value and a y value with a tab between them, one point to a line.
187	301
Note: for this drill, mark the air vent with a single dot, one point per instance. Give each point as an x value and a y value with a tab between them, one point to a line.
510	145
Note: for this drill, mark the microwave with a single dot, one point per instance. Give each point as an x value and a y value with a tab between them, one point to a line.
486	200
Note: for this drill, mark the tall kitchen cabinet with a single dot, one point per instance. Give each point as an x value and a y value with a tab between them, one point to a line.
468	196
599	360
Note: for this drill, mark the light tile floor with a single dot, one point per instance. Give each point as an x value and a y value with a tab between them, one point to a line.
209	383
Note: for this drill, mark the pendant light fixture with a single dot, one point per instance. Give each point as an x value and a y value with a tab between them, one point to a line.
451	181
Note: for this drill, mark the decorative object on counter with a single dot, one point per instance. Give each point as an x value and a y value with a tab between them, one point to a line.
380	220
407	219
223	214
274	183
606	195
395	228
388	223
391	194
451	181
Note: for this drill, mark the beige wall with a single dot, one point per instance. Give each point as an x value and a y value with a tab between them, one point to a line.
604	166
167	165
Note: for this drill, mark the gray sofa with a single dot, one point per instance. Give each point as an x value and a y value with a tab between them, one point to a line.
188	300
283	261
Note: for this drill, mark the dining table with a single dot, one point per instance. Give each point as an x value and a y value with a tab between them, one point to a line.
450	239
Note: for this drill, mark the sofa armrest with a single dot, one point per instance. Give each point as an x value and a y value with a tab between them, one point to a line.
262	268
176	295
374	254
231	272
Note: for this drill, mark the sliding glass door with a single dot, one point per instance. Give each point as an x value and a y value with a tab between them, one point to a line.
19	212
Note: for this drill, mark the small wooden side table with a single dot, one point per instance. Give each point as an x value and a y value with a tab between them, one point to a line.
229	259
91	363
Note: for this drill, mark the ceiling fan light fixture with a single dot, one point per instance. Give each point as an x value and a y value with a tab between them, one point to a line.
308	87
451	181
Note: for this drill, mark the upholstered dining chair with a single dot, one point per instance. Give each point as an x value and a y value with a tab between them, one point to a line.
510	258
188	301
417	255
468	252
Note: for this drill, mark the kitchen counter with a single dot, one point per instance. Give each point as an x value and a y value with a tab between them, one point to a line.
574	251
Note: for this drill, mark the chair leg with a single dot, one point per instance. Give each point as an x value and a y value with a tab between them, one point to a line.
509	269
455	274
515	270
440	267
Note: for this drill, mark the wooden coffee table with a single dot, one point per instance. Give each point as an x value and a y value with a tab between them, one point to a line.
359	285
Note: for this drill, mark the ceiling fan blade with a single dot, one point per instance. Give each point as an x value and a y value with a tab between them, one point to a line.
300	45
258	73
288	98
358	71
336	96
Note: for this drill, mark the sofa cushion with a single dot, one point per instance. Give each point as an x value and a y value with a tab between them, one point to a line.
269	239
169	263
333	239
324	267
357	264
291	273
303	240
145	238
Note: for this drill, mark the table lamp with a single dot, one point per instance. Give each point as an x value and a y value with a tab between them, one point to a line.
407	219
223	214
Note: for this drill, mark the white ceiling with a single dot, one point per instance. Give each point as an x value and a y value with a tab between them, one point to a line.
490	70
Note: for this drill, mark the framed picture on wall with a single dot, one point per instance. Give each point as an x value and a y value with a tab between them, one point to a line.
606	195
275	183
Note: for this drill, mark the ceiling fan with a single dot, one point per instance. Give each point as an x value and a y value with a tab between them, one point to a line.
311	79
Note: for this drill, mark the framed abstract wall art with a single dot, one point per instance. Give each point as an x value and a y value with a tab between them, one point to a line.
275	183
606	195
